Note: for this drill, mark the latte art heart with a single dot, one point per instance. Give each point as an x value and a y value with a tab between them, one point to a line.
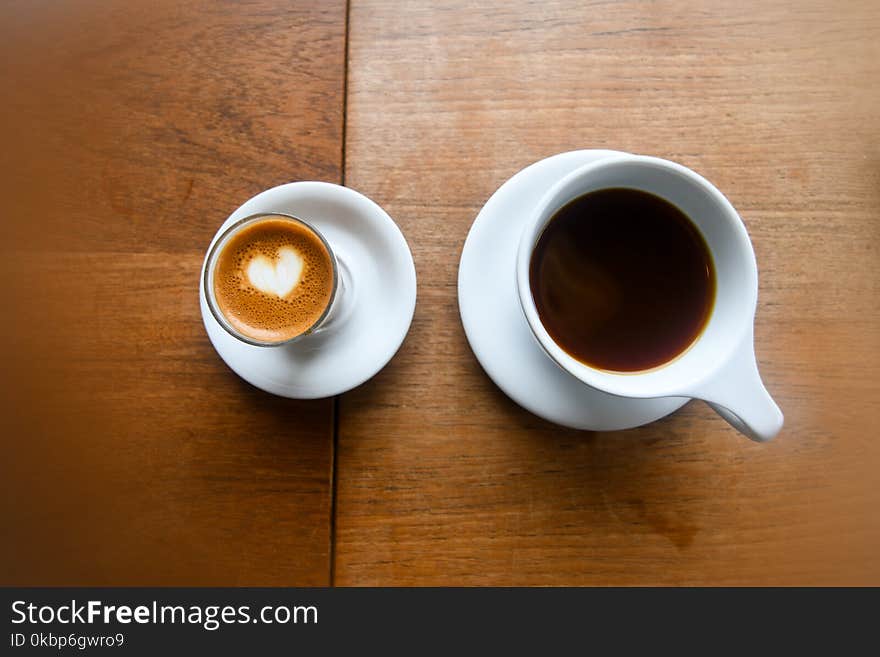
279	277
274	279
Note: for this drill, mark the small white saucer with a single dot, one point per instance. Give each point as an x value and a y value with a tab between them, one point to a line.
496	327
379	301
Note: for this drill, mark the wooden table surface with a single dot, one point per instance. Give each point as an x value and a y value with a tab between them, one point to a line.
133	455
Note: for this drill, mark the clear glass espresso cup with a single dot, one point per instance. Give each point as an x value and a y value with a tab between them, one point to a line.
321	323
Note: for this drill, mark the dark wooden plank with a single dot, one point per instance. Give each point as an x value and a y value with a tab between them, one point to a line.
132	455
442	479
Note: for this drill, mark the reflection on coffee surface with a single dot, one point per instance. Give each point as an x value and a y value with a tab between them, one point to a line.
273	279
622	280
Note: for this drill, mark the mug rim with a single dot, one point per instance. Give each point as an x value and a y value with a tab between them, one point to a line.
213	255
624	383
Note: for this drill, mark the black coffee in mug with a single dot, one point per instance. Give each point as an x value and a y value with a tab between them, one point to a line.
622	280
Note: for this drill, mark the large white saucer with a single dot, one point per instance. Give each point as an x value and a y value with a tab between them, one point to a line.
378	303
496	327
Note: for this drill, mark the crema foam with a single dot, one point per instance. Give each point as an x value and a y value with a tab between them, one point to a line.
273	279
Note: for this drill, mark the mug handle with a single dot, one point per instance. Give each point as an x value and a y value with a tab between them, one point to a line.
738	395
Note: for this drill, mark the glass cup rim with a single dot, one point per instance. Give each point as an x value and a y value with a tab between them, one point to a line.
217	248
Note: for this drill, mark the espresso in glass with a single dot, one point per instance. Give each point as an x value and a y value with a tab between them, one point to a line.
622	280
272	278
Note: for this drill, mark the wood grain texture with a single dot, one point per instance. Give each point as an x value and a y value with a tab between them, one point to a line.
441	478
132	455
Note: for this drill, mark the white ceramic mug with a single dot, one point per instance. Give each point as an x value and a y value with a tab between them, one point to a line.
719	367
